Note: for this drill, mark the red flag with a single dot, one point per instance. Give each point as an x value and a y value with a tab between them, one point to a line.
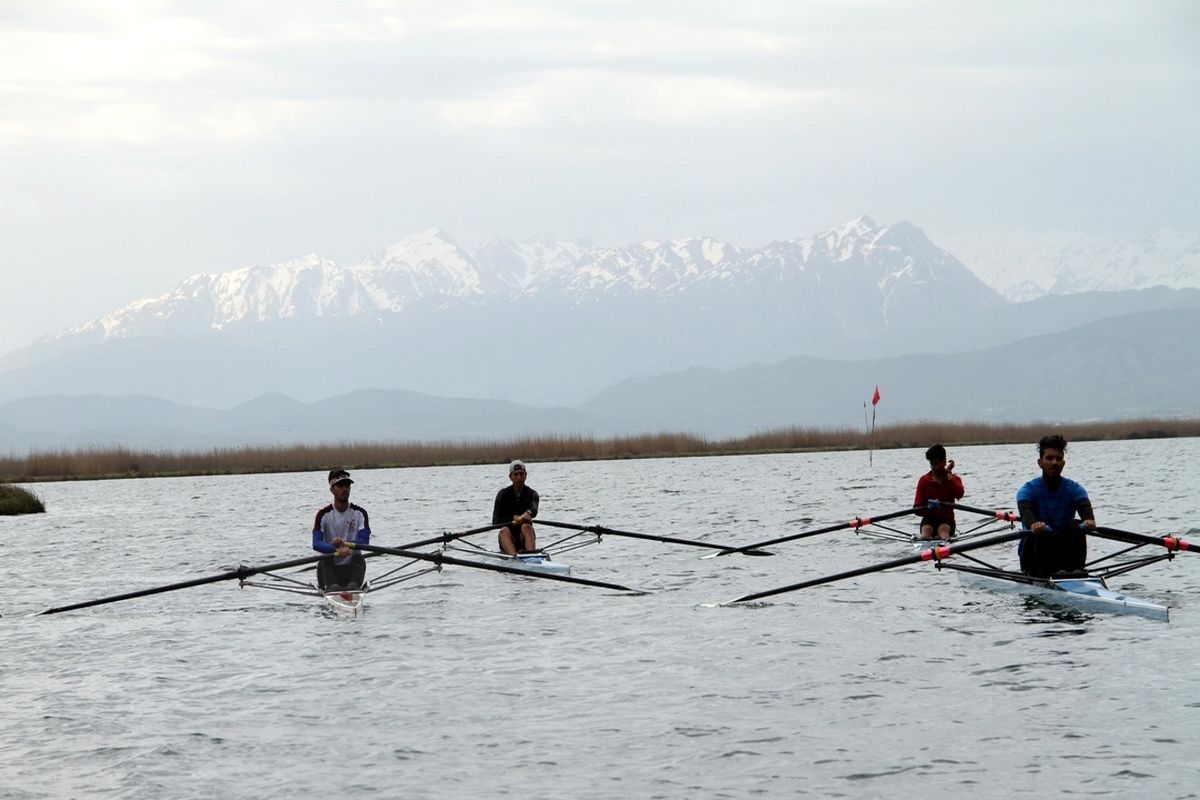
875	397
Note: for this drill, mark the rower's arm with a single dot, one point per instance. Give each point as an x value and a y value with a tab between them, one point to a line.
1028	513
319	543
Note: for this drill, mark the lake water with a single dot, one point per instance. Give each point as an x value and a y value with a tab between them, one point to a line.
469	684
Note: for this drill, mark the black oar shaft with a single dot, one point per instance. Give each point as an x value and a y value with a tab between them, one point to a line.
439	558
601	530
931	554
998	513
1169	542
449	537
240	572
857	522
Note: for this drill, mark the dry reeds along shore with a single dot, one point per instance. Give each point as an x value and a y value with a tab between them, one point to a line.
121	462
17	500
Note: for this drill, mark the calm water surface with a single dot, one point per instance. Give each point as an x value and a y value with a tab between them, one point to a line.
467	684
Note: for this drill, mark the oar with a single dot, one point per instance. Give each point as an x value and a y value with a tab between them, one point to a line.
439	558
1000	514
601	530
445	537
931	554
240	572
1169	542
857	522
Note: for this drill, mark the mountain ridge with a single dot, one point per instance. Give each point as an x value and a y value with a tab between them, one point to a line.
1104	373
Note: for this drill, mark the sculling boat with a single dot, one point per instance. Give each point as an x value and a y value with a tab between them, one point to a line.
346	604
1087	590
1089	593
539	561
342	602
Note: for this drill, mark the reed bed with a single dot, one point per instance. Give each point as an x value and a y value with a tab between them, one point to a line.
18	500
120	462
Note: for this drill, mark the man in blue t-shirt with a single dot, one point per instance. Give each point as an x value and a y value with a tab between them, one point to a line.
1048	506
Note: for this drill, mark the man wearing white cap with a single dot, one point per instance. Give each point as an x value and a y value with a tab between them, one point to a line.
516	505
338	525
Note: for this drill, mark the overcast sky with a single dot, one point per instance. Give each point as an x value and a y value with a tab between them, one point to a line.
142	142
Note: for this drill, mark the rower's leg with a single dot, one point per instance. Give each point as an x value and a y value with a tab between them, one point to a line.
505	539
528	538
944	531
357	570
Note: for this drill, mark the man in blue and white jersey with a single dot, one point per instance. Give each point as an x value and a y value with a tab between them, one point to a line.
337	527
1048	506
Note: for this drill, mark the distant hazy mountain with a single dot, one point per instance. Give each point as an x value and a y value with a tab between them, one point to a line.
1024	266
543	321
1109	369
1104	370
859	276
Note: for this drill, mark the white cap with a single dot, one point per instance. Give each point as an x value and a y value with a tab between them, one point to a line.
516	465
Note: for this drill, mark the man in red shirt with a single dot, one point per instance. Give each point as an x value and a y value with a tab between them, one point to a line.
941	484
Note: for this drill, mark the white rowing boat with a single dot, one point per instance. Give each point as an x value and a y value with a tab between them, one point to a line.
346	603
343	603
538	561
1089	593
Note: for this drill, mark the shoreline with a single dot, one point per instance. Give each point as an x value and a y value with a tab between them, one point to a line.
116	462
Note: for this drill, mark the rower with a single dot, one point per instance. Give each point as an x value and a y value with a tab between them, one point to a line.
1048	506
337	528
516	506
940	485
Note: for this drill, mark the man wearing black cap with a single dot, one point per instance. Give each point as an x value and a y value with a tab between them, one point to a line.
516	505
338	524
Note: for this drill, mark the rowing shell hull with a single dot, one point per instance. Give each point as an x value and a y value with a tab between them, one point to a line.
345	604
538	564
1086	594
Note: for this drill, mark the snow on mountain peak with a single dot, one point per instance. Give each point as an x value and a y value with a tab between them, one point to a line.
856	257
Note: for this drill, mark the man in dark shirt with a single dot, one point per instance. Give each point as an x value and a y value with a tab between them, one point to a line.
516	505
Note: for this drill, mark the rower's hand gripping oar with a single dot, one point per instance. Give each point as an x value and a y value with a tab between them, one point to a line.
855	524
240	572
931	554
439	558
600	530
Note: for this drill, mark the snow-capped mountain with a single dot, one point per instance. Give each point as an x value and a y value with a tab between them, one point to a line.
547	321
1026	266
858	271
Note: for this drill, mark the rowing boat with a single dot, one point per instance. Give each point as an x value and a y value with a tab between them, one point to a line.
539	561
1087	590
346	603
1086	593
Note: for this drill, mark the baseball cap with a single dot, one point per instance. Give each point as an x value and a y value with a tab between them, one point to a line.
339	476
516	465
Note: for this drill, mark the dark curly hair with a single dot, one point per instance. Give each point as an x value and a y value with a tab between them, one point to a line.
1055	441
